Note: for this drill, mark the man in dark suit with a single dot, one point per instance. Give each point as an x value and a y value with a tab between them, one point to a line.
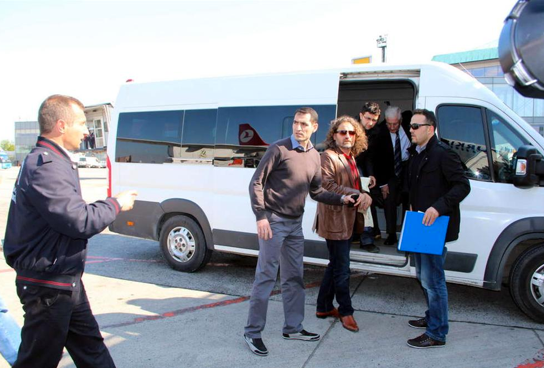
390	161
437	184
368	117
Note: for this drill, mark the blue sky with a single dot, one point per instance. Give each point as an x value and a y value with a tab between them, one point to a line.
87	49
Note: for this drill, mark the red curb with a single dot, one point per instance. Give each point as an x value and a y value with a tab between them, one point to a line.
195	308
531	365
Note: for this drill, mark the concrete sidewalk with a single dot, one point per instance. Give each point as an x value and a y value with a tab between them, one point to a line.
152	316
171	327
150	326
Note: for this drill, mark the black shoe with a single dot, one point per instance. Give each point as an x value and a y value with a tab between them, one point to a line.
302	335
418	323
256	346
424	341
371	248
391	240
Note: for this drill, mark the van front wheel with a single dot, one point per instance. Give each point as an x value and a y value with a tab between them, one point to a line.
527	283
183	244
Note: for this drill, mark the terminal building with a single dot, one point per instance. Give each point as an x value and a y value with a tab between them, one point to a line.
98	118
484	65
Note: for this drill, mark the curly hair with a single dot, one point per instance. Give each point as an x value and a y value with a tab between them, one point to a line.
361	143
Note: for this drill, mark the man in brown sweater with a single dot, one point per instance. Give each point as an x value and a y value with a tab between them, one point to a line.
289	170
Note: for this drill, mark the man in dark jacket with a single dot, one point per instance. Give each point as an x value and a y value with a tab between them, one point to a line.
368	117
390	161
437	184
46	240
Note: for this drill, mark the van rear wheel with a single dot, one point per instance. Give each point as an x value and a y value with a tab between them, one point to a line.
183	244
527	283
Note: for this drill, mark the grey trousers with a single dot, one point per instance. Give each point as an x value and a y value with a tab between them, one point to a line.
285	250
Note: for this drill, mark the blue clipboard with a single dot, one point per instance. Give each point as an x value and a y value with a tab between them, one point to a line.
418	238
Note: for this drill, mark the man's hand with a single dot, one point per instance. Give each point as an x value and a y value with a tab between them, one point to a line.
365	200
430	215
359	200
371	182
126	199
349	199
263	229
385	191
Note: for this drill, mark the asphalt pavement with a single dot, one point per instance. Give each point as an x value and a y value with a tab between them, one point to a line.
152	316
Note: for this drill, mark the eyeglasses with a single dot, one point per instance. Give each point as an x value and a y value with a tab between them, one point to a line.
346	132
416	126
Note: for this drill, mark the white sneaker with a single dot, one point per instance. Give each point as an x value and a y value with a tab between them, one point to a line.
302	335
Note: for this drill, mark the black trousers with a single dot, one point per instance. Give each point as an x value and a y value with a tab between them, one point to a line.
55	319
396	196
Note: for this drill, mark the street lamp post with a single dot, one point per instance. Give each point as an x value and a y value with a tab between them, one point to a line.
382	44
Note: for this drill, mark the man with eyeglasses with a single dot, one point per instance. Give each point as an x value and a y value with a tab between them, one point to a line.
437	184
390	161
368	117
288	171
345	139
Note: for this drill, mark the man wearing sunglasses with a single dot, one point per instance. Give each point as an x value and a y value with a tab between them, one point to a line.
437	184
345	140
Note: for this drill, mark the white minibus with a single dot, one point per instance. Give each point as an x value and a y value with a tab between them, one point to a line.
190	148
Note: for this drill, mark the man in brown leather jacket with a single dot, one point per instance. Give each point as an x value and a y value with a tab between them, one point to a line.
345	140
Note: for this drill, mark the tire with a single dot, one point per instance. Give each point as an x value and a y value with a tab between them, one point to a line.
527	283
183	244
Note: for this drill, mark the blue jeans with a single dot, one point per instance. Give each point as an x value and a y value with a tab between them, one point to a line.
430	273
367	237
10	335
336	279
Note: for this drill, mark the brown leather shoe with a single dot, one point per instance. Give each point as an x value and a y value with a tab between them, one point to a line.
333	313
349	323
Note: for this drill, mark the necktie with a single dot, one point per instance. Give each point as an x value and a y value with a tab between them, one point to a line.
398	157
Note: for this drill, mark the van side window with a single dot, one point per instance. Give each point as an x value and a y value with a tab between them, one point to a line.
462	128
198	137
149	137
504	143
244	133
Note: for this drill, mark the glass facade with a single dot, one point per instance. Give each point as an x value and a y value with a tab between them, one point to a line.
26	135
531	110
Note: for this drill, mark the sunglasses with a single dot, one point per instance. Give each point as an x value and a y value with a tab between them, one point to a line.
416	126
346	132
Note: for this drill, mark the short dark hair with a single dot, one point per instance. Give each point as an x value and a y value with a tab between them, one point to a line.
371	107
430	117
308	110
54	108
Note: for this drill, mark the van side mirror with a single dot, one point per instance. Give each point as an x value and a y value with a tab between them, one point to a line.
521	48
529	167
